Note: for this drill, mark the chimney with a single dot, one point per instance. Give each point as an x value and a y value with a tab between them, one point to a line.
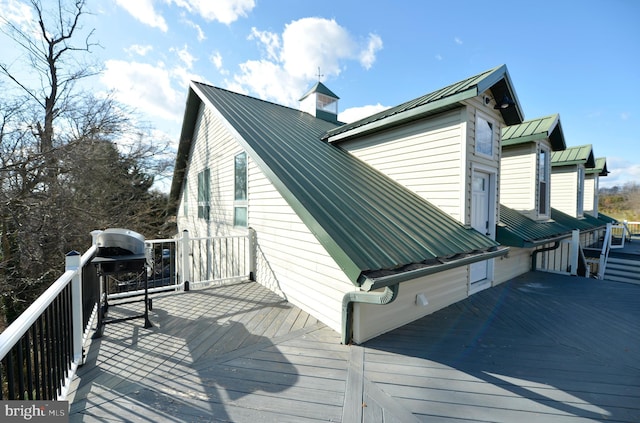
320	102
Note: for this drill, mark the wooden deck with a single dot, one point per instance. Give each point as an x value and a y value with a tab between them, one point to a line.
542	348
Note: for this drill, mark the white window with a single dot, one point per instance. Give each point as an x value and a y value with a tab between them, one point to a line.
203	194
326	103
484	136
240	190
543	182
580	189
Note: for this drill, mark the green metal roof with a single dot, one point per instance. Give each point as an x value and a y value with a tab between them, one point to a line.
517	230
606	219
600	167
366	221
447	98
320	88
582	154
547	127
585	223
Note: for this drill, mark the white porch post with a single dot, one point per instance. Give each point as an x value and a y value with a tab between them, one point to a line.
575	251
252	254
185	265
72	262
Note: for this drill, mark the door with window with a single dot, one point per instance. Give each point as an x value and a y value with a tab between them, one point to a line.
480	221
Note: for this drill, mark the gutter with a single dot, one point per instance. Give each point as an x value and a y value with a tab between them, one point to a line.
537	243
534	255
369	284
391	285
387	296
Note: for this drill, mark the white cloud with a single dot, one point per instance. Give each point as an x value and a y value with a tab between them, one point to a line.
139	49
268	80
458	41
144	11
184	55
439	57
622	171
368	56
224	11
17	13
216	59
201	36
312	42
356	113
292	59
269	40
144	87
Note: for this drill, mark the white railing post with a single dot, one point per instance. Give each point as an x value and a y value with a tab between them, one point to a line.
604	253
574	252
252	253
72	262
185	251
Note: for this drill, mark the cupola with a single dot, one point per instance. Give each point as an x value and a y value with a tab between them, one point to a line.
320	102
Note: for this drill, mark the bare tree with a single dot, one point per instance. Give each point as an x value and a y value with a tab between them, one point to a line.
70	162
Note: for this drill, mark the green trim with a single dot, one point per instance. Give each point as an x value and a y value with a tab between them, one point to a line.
497	80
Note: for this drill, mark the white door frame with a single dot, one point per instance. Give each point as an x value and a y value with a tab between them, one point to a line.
492	196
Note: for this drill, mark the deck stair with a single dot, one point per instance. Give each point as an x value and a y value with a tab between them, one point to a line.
623	268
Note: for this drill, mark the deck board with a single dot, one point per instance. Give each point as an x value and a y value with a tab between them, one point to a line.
542	347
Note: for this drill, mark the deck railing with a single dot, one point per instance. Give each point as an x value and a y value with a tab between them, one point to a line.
215	260
41	349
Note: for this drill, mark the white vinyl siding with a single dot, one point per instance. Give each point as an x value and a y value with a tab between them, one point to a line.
516	263
564	183
425	156
290	259
213	148
441	290
518	182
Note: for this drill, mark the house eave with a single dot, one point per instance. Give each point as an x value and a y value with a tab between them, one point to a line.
442	105
372	283
184	147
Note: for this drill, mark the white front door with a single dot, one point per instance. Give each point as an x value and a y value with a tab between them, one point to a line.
480	212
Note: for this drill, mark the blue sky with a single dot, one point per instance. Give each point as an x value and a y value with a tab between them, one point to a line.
579	59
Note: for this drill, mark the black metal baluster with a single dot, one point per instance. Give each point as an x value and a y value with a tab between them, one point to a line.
43	358
29	349
36	360
49	353
57	341
10	377
20	368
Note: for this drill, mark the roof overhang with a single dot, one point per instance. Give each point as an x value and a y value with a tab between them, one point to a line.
552	131
497	81
184	147
513	239
373	282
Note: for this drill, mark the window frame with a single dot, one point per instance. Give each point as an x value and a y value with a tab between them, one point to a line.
204	194
479	119
580	192
543	170
240	197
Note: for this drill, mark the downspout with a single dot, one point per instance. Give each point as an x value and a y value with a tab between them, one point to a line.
534	255
364	297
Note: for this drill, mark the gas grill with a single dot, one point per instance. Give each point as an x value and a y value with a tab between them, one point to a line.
121	254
